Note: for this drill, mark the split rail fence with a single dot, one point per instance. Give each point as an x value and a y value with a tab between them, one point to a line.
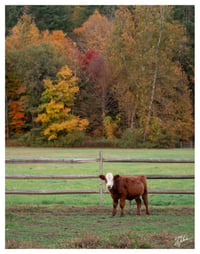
101	160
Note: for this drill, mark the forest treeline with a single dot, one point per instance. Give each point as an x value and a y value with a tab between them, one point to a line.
120	76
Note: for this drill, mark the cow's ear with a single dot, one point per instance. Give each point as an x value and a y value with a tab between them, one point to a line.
116	177
102	177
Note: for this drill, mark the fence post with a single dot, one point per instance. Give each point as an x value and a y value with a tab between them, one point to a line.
101	172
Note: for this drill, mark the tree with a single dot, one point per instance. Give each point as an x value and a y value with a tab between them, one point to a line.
23	34
93	33
52	17
155	71
95	98
110	126
79	15
33	64
34	56
185	15
16	105
135	62
65	46
142	52
12	14
26	33
55	109
56	17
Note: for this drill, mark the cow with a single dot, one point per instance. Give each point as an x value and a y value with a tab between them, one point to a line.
126	187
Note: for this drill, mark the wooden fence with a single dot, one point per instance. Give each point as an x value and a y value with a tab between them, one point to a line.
101	160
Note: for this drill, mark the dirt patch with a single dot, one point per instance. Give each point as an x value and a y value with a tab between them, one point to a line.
61	209
57	209
177	211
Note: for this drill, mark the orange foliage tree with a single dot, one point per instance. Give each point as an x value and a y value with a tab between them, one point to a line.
26	33
94	32
23	34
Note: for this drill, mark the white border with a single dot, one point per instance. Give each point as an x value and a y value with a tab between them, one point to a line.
99	2
2	114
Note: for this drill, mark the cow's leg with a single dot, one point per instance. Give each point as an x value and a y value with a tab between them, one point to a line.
145	199
115	203
138	201
122	204
130	206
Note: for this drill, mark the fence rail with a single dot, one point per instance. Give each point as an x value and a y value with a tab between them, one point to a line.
56	192
24	176
87	160
150	160
50	160
101	161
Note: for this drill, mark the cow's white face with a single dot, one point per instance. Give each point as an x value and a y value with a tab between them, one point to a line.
109	180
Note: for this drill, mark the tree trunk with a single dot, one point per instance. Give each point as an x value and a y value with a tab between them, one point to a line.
155	74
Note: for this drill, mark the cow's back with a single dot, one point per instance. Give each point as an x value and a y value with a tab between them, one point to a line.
131	187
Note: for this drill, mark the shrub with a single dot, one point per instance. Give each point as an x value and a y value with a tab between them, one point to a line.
131	138
70	140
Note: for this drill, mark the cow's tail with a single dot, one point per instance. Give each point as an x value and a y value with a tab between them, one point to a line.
144	180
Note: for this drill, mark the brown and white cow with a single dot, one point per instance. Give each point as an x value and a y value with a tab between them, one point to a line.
126	187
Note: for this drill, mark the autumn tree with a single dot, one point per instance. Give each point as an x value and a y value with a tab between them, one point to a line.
12	14
97	72
55	109
91	39
26	33
33	64
23	34
95	90
146	77
16	105
133	64
185	15
93	33
35	56
111	126
65	46
79	14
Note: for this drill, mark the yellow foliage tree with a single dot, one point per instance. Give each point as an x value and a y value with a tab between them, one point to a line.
110	126
55	109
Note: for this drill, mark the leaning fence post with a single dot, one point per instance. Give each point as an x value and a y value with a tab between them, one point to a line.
101	172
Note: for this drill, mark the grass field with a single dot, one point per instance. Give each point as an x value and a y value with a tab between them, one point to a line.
77	221
93	169
92	227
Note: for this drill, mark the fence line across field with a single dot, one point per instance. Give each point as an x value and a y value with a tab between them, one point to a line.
61	192
88	160
101	161
72	177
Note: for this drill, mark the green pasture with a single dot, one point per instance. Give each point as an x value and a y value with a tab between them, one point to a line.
25	152
93	169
